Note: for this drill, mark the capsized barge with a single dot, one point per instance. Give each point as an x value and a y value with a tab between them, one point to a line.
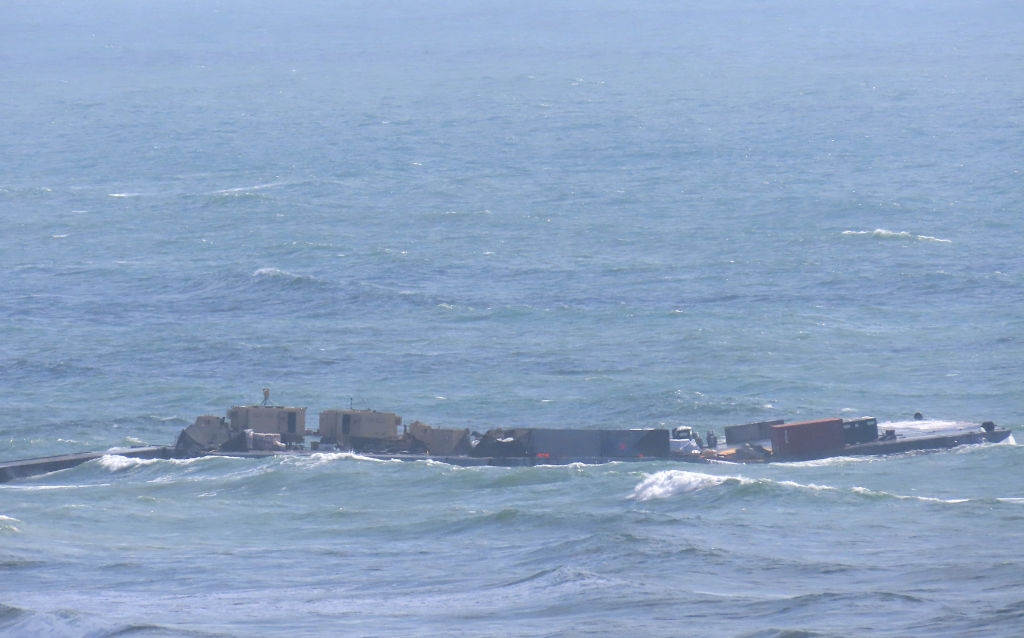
266	430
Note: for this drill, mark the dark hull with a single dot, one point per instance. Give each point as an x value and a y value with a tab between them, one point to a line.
10	470
927	442
906	444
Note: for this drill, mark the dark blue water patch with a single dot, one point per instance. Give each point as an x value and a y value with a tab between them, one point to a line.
11	615
46	372
143	630
21	621
42	431
154	293
974	620
775	632
17	621
1009	617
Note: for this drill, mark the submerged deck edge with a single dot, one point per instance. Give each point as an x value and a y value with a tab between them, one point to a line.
11	470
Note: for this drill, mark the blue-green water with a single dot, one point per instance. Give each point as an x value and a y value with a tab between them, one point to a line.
510	214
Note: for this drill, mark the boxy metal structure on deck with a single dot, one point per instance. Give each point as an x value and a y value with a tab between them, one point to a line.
342	426
862	430
574	444
739	434
807	439
290	423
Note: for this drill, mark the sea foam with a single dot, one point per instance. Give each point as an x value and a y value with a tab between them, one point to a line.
670	482
881	233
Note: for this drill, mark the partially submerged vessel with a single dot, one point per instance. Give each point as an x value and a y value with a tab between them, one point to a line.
270	429
809	440
264	430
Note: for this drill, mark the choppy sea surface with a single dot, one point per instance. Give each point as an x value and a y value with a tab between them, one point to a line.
481	214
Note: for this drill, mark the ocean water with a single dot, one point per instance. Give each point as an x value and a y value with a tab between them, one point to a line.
482	214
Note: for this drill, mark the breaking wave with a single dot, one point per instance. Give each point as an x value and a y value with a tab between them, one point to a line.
7	524
881	233
669	483
924	499
323	458
278	275
117	463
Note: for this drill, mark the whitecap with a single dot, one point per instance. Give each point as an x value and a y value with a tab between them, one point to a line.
881	233
832	460
806	486
323	458
863	491
278	274
670	482
247	189
576	465
44	488
925	499
271	272
925	425
116	463
7	524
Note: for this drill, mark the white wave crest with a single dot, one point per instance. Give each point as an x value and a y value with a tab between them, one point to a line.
925	499
670	482
322	458
833	460
805	486
247	189
272	272
881	233
863	491
7	524
284	275
117	463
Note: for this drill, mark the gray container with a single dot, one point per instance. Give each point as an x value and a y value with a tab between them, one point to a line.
635	443
545	443
739	434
